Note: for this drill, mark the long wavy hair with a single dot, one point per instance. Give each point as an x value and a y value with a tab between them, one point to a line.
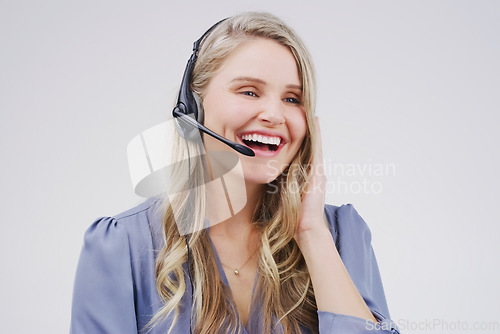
283	296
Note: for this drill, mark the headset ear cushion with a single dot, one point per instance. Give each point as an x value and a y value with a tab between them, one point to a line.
199	107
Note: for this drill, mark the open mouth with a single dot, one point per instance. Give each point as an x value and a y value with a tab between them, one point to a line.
261	142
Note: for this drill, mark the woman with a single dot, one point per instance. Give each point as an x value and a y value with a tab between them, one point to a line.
285	262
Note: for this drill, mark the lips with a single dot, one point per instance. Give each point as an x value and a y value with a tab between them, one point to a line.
263	143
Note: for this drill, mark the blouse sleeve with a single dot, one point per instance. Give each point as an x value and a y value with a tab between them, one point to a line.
103	296
353	240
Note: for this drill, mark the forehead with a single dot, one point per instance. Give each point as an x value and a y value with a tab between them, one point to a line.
263	58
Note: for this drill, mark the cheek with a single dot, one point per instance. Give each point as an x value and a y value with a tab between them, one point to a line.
298	128
232	113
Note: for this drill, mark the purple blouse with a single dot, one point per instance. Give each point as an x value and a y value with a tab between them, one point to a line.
115	287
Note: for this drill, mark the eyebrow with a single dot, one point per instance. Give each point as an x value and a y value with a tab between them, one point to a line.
262	82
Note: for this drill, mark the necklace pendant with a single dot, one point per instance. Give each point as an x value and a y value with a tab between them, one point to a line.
236	272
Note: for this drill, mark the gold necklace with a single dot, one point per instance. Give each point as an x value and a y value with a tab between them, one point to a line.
236	270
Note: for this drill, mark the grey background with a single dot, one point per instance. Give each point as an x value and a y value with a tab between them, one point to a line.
408	84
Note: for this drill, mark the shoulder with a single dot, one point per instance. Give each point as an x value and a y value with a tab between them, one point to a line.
133	226
346	225
117	259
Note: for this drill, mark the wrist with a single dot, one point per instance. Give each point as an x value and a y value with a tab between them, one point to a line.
313	236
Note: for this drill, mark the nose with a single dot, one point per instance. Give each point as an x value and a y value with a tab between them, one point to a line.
272	113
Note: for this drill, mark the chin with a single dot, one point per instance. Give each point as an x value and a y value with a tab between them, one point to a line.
261	176
260	181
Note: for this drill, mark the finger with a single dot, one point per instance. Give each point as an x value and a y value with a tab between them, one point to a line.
318	154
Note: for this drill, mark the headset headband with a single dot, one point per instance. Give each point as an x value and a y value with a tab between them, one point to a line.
186	102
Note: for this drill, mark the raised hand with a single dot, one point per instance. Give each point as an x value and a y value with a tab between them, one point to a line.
311	217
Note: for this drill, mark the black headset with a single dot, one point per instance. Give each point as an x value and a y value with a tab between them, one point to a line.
189	113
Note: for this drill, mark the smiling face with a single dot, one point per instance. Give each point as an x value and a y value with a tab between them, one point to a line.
255	99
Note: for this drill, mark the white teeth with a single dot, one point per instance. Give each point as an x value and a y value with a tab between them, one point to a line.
262	139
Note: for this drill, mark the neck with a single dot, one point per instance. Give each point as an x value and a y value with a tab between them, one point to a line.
239	227
230	204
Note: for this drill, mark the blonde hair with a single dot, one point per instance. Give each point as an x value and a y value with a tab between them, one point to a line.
285	297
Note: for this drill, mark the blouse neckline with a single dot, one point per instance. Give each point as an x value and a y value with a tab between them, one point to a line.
226	282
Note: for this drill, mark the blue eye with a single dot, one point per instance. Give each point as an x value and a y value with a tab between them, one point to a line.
249	93
292	100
